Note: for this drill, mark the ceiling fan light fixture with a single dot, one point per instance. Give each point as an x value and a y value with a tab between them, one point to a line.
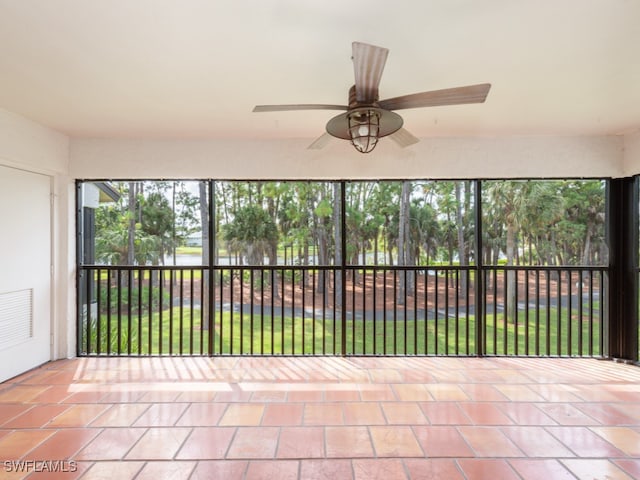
364	129
363	126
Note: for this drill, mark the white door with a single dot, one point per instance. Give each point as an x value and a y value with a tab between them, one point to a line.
25	271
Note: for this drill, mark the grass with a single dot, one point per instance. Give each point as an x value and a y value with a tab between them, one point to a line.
182	331
184	250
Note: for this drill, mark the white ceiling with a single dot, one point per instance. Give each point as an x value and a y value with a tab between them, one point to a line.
196	68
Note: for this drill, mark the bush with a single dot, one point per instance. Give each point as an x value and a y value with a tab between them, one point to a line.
132	308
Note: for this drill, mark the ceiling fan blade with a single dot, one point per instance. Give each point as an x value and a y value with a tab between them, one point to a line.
320	142
403	138
285	108
368	64
435	98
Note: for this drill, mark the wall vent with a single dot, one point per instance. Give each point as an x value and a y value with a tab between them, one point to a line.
16	317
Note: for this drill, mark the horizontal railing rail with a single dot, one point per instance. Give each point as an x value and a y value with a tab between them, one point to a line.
352	310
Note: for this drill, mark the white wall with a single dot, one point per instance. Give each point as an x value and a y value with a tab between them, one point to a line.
31	147
276	159
25	144
632	154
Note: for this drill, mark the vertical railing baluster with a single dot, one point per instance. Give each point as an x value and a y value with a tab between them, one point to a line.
548	319
99	309
559	313
273	289
590	313
405	301
171	272
251	315
446	311
119	316
579	287
293	311
516	317
374	282
303	308
221	310
426	311
436	314
537	327
415	312
282	307
231	309
90	276
211	306
334	316
569	314
203	297
160	283
108	345
384	311
241	303
191	308
495	311
150	311
601	280
505	311
129	310
467	294
526	311
313	311
457	308
325	286
181	313
140	274
353	311
363	311
262	274
395	311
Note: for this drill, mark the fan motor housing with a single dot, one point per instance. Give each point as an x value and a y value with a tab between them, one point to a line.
353	102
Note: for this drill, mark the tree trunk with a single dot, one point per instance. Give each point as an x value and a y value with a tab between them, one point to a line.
462	254
337	236
375	249
131	256
273	252
586	252
204	224
323	255
511	284
403	231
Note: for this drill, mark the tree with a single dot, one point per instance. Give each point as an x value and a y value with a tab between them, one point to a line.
120	237
157	221
585	208
252	233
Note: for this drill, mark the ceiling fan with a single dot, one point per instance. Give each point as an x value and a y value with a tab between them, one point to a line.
366	119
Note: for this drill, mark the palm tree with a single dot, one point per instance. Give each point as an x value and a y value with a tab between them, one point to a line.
252	233
507	200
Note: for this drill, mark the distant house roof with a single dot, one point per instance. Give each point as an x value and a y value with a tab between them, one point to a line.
107	192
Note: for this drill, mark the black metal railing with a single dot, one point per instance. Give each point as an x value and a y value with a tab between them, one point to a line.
410	311
353	310
555	311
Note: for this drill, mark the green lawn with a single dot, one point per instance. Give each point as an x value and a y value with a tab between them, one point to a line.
180	331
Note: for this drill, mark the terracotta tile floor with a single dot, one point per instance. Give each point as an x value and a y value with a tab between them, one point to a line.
322	418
